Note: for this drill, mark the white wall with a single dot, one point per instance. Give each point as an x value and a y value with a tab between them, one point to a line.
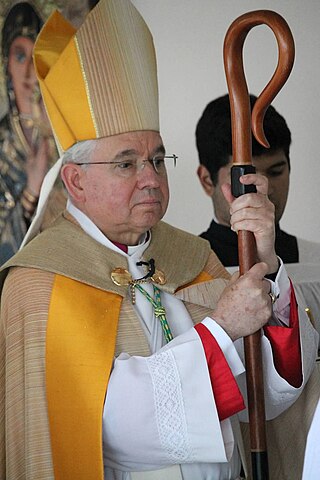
188	36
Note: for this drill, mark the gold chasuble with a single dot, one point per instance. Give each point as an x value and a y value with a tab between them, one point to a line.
81	322
63	320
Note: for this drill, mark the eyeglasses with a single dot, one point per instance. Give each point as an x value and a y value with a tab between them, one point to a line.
129	167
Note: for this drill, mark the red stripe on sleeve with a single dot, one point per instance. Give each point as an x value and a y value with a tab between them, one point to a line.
226	392
285	344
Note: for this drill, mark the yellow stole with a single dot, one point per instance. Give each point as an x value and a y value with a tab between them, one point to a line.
81	333
81	338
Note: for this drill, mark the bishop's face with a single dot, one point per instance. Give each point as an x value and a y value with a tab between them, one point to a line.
123	201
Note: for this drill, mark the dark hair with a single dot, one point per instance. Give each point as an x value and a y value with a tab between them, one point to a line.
214	138
92	3
21	20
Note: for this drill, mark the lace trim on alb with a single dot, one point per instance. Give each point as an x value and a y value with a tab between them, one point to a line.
170	413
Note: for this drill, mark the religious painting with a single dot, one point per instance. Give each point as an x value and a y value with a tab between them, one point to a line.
73	10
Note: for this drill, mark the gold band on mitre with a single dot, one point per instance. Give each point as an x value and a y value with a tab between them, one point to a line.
101	79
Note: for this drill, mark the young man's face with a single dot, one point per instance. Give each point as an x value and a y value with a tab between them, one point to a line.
274	167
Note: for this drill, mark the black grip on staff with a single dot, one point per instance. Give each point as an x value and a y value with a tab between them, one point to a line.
238	188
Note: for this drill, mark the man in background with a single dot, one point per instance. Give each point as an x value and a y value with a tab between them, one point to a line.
214	144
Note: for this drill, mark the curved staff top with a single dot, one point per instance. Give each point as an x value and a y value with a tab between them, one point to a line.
243	123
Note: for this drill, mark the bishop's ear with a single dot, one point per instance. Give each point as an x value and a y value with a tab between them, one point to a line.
205	180
72	177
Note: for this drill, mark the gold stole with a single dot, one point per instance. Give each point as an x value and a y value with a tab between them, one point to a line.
81	338
81	333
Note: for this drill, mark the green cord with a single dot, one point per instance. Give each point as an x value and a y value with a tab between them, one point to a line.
159	310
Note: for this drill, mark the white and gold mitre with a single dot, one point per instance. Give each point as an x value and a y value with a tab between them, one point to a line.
101	79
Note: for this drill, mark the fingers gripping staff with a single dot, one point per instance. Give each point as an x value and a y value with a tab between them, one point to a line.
242	124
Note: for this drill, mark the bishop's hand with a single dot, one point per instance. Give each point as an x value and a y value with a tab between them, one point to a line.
254	212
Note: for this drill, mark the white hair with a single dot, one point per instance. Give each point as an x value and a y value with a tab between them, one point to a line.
80	152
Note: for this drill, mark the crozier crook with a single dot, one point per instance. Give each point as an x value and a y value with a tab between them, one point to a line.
242	124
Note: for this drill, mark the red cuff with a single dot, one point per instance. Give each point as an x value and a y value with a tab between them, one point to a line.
226	392
285	344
